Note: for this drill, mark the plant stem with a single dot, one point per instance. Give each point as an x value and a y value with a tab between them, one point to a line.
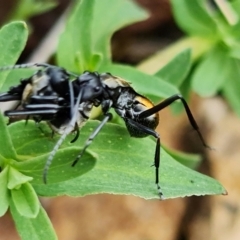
198	45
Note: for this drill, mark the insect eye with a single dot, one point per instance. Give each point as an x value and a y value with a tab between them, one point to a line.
97	89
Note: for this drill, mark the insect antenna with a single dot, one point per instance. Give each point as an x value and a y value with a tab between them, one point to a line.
68	130
31	65
27	65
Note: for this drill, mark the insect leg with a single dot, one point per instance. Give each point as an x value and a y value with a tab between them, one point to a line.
29	112
77	134
6	97
151	132
42	99
168	102
43	106
68	129
106	118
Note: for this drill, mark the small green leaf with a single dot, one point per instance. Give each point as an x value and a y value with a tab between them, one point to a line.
123	167
13	37
208	79
7	150
156	87
232	85
88	33
26	201
189	160
16	179
74	49
39	228
25	9
199	9
192	17
96	60
176	70
109	16
4	193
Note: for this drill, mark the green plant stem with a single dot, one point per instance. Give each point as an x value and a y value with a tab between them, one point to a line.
198	45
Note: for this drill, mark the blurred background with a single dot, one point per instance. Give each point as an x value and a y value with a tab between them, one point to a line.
112	217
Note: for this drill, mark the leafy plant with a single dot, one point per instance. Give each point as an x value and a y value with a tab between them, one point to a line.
24	9
113	163
215	30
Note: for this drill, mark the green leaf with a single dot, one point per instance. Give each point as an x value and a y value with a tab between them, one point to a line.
211	72
232	85
109	16
86	39
154	87
74	49
60	169
13	37
39	228
25	9
193	18
36	146
14	77
7	150
189	160
4	193
16	179
176	70
123	167
199	9
26	201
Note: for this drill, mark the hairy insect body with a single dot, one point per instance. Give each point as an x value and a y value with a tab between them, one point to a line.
128	104
63	117
64	100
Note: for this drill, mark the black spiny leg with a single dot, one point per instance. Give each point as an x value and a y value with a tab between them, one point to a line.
151	132
77	134
106	118
168	102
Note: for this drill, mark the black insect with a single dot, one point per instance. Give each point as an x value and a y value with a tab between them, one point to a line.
66	105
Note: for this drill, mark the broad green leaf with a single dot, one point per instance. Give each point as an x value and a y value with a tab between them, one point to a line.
16	179
123	167
26	201
4	192
144	84
109	16
74	48
176	70
13	37
34	147
61	168
189	160
232	85
211	72
31	139
185	15
39	228
7	150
